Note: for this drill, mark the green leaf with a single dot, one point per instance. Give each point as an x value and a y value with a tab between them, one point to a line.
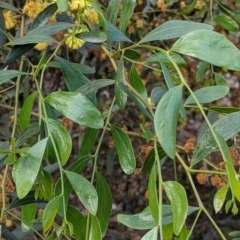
27	168
208	94
8	6
43	17
50	212
220	80
78	222
112	11
150	159
94	86
234	234
152	195
219	198
157	58
190	8
137	83
167	231
6	75
95	230
40	64
178	199
121	96
228	11
93	37
165	119
81	67
209	46
27	133
227	23
173	29
62	5
18	51
124	150
3	33
28	216
84	190
114	34
156	94
32	38
26	111
151	235
146	132
52	28
126	13
76	107
132	54
201	71
227	126
61	138
226	110
104	202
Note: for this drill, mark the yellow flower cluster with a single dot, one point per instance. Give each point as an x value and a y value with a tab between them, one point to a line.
78	4
9	18
33	8
91	15
72	41
41	46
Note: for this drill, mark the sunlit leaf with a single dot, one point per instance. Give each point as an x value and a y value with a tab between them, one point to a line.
219	198
62	5
93	37
151	235
227	23
28	215
95	230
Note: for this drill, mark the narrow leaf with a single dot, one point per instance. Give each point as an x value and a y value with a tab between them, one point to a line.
93	37
173	29
219	198
50	213
28	216
104	202
6	75
209	46
201	71
27	168
227	23
220	80
112	11
8	6
146	132
165	120
3	36
226	110
95	230
124	150
132	54
76	107
208	94
156	95
178	198
84	190
126	13
151	235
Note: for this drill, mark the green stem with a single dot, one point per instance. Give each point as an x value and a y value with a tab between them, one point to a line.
194	224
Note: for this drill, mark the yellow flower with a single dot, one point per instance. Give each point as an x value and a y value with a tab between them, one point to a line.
9	18
78	4
72	41
41	46
91	16
32	9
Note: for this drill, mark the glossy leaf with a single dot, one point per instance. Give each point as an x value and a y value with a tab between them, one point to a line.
112	11
27	168
50	212
6	5
219	198
82	68
227	23
121	96
165	120
156	95
137	83
43	17
28	216
173	29
84	190
61	138
94	86
76	107
95	230
146	132
208	94
104	202
124	150
114	34
152	195
88	142
35	37
132	54
27	133
151	235
18	51
78	222
227	126
160	57
209	46
52	28
178	199
93	37
62	5
126	13
6	75
201	71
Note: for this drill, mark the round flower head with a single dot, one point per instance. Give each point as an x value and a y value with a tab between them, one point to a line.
32	8
78	4
91	16
41	46
72	41
9	18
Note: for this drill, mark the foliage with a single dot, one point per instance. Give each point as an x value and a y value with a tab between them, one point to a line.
41	139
